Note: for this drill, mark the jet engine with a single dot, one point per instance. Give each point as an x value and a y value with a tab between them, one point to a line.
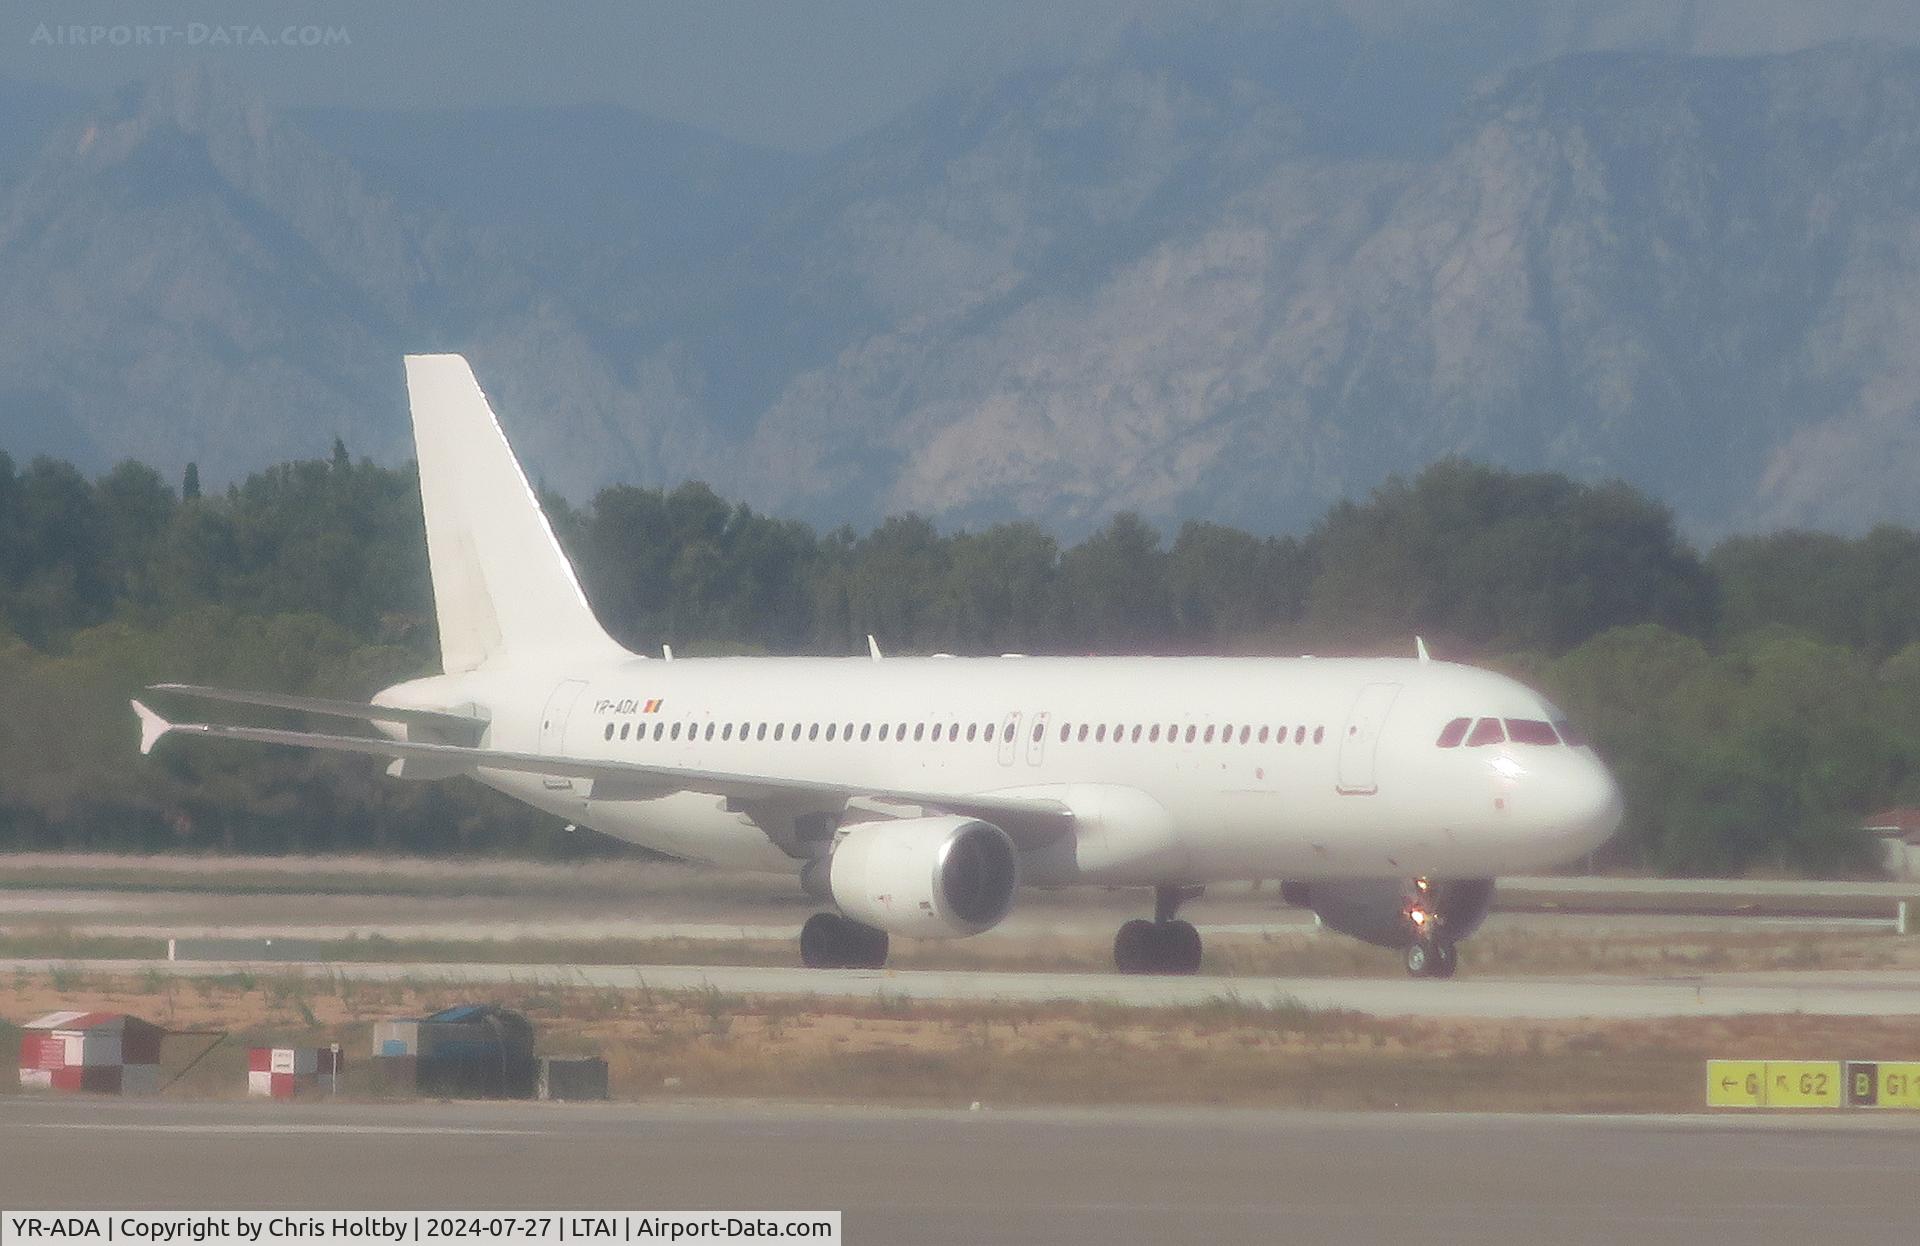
1392	912
924	878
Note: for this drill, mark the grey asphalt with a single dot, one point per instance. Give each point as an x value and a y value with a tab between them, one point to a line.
1859	993
993	1176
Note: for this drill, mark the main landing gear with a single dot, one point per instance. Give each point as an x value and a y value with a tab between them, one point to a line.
1163	945
830	941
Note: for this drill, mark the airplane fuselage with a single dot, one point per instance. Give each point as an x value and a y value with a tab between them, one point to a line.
1178	770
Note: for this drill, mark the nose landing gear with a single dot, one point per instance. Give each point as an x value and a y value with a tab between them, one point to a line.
1432	958
1431	954
1163	945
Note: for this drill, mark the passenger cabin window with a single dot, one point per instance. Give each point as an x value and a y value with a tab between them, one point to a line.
1319	734
1453	733
1039	729
1486	731
1263	735
1135	737
1300	735
1153	734
609	731
1191	732
1530	731
779	730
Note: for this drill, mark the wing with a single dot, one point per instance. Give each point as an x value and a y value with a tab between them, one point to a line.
1033	819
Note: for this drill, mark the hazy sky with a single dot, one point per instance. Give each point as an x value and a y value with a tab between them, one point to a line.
802	74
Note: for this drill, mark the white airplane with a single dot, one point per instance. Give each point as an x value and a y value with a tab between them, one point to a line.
916	796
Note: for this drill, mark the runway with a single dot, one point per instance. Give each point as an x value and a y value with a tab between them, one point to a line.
1025	1176
1872	993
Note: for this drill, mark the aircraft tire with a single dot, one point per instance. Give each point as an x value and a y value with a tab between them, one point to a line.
1134	947
830	941
1180	948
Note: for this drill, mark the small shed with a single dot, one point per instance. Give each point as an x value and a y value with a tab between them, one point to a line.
477	1051
283	1072
108	1052
1898	834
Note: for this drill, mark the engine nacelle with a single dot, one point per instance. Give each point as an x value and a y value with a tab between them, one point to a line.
1379	910
925	878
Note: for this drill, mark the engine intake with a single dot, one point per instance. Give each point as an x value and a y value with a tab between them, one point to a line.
925	878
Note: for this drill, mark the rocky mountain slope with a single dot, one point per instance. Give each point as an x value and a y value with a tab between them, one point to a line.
1159	278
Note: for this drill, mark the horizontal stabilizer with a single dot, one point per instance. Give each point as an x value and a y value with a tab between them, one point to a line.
460	727
152	727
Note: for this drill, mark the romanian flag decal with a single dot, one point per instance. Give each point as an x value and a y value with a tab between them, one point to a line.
652	707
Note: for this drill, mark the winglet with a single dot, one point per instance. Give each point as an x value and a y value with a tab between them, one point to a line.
1420	649
152	727
873	647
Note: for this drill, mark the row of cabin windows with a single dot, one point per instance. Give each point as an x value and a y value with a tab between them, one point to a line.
951	732
813	731
1474	733
1151	733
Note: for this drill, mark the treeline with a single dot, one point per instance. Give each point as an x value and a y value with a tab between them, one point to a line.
1755	701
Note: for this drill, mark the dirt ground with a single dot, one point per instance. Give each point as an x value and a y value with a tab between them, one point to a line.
896	1051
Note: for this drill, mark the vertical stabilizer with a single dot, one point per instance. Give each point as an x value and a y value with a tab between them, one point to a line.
500	582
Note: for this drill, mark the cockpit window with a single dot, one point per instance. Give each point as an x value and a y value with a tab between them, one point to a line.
1572	735
1530	731
1453	733
1486	731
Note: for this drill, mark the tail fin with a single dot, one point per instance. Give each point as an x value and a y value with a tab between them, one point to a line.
500	581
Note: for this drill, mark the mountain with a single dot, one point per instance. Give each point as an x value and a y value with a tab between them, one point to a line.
1692	272
1227	269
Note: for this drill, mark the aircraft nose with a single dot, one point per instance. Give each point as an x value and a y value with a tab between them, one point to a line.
1587	804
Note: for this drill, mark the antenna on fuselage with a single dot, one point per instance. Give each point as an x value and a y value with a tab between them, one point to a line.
1420	649
666	652
873	647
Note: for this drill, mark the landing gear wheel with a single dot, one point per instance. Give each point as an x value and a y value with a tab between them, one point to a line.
1157	947
1437	959
1180	948
1134	946
830	941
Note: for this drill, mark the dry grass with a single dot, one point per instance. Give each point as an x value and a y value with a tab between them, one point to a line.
1533	952
890	1049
